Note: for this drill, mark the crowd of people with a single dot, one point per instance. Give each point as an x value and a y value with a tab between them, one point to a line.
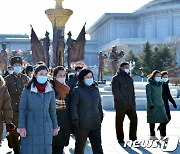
41	108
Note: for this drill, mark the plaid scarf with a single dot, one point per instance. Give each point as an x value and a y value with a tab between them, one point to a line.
61	89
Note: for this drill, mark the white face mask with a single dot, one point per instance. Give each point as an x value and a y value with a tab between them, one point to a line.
17	69
88	82
77	73
126	70
61	80
0	72
10	71
157	79
165	79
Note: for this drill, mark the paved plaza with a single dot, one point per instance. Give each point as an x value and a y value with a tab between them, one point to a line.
109	142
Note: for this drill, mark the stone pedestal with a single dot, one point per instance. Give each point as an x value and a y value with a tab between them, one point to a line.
58	17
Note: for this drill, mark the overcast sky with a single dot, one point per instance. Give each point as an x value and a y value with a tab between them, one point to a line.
17	15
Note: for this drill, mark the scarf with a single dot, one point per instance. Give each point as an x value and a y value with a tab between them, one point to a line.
61	89
41	87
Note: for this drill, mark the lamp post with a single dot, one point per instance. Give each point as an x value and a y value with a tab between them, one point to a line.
131	64
142	74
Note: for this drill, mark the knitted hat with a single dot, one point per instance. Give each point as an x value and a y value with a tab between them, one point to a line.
83	73
16	59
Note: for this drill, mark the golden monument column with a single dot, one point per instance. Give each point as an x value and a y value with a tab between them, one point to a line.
58	17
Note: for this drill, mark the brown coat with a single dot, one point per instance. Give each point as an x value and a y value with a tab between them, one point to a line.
6	112
15	85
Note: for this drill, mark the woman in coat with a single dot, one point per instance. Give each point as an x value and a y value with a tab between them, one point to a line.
62	110
37	114
156	112
86	112
5	107
166	95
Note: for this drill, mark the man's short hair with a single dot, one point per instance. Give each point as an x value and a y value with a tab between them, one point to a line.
124	64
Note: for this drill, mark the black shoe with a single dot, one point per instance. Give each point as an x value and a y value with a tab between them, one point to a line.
133	139
121	141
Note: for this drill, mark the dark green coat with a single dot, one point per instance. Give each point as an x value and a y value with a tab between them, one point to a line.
154	98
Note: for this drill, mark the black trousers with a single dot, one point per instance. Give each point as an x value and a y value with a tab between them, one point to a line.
94	137
162	129
120	114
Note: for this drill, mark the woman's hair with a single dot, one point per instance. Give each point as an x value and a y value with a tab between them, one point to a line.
83	73
57	69
33	80
164	73
29	69
153	74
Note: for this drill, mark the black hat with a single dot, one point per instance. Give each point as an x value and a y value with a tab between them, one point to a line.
69	33
83	73
16	59
78	68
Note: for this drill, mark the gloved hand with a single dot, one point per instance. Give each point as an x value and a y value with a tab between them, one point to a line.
55	131
175	106
10	127
151	107
75	125
22	132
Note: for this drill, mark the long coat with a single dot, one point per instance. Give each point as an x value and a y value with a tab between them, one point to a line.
64	121
154	98
123	91
5	106
15	85
167	97
37	113
86	106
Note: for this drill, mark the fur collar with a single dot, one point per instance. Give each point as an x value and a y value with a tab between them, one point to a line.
47	89
2	81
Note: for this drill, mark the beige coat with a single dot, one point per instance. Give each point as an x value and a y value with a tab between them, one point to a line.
6	112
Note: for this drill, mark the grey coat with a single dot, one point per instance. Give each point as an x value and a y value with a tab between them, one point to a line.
86	106
37	113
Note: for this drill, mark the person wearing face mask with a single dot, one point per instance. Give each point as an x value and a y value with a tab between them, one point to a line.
73	81
166	95
87	113
124	102
8	72
62	110
37	114
156	112
29	71
15	83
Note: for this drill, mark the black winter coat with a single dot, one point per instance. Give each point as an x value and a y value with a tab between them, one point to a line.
123	91
166	98
86	106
